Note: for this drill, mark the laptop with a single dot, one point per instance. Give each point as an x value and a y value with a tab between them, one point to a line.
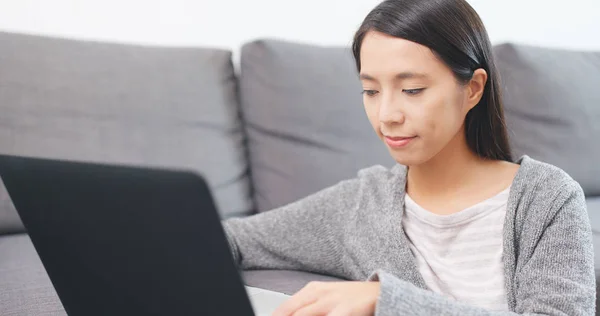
121	240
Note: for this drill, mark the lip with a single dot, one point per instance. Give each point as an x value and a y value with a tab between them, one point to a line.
398	142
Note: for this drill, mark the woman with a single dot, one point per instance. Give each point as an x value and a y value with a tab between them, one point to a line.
456	227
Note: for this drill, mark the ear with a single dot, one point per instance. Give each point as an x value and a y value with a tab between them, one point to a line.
475	88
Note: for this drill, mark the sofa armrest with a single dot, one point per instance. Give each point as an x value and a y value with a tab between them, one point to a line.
283	281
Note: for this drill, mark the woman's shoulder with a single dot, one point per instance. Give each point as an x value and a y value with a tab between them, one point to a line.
543	190
538	175
375	183
378	174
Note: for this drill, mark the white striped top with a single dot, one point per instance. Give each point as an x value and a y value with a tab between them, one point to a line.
460	255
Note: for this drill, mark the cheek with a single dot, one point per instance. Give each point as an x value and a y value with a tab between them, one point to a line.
372	114
439	117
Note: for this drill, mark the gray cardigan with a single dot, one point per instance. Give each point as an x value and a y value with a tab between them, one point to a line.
353	230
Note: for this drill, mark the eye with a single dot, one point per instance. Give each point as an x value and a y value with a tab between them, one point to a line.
413	91
370	92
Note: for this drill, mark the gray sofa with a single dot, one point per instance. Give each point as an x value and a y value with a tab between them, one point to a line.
287	124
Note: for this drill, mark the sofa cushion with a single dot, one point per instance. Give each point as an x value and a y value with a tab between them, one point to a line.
593	206
114	103
9	219
305	120
552	100
25	288
283	281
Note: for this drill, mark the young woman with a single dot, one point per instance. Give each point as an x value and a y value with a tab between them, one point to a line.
456	228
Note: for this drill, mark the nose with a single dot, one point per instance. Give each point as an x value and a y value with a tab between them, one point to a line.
390	111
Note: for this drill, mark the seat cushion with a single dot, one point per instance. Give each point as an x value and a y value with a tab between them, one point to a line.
593	206
9	219
25	289
551	100
283	281
114	103
306	124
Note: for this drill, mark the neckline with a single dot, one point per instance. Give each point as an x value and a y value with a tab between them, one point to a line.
525	164
469	214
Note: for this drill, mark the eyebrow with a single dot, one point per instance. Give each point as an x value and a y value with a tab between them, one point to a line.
400	76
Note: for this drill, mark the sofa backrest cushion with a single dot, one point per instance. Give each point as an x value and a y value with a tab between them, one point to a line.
305	120
113	103
552	106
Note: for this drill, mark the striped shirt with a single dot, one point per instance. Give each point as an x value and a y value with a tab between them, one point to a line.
460	255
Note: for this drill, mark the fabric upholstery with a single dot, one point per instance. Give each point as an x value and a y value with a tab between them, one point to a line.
284	281
552	100
593	206
9	219
114	103
305	120
25	289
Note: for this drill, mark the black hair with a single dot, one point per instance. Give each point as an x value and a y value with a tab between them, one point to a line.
456	35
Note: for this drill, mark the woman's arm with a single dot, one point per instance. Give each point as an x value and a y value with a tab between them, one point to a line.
304	235
558	279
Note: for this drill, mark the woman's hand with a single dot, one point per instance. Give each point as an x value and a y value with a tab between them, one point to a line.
332	299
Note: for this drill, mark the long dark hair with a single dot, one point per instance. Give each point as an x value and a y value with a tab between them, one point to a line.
454	32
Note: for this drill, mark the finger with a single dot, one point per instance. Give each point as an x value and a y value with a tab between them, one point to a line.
296	302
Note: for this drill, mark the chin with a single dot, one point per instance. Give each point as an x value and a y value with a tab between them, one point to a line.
409	158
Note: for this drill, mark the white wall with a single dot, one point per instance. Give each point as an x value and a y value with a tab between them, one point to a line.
571	24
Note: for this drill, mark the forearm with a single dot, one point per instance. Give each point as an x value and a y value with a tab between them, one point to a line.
304	235
265	242
398	297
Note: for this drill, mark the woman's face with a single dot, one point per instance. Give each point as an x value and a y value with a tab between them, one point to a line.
414	102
